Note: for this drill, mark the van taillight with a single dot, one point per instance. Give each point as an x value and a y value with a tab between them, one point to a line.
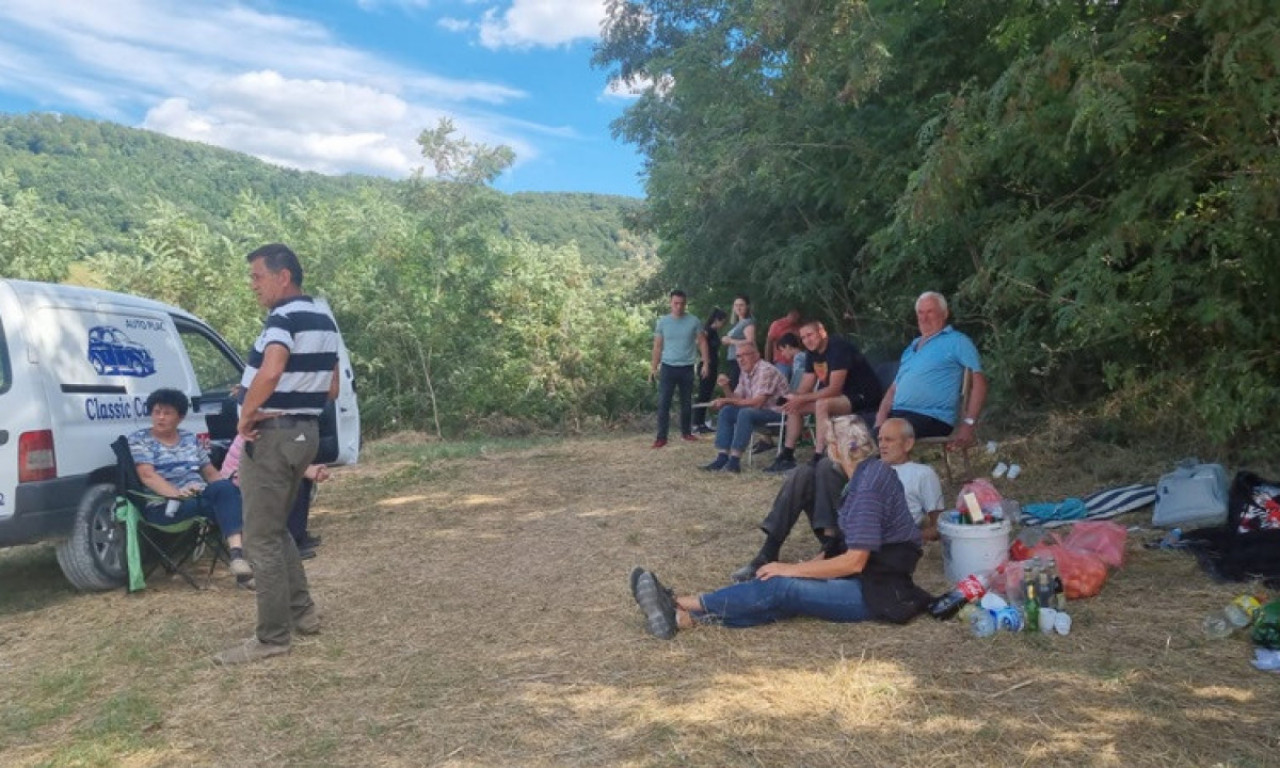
35	457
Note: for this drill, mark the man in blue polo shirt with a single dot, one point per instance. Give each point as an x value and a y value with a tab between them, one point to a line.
930	376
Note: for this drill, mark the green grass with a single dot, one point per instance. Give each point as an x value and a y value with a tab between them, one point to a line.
55	695
35	569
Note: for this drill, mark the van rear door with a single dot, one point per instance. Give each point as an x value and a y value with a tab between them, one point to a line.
8	440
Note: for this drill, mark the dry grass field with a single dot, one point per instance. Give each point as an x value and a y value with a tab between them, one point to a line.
476	613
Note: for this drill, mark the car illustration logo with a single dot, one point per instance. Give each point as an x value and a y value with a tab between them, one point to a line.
112	353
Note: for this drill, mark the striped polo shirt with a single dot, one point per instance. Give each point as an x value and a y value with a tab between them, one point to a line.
310	333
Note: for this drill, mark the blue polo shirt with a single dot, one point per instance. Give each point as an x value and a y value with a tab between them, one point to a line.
679	338
929	378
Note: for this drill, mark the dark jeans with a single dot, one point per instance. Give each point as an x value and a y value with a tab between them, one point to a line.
670	378
811	489
706	388
735	372
763	601
925	426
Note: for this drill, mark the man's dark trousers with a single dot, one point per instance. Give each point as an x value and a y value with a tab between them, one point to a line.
670	378
811	489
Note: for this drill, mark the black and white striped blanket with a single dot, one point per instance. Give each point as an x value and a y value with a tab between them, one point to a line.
1102	505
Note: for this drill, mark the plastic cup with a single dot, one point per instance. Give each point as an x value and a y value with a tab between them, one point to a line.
1062	623
992	447
993	602
1048	620
1000	470
1014	471
171	508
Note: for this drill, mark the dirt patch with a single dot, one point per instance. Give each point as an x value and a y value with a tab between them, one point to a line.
476	613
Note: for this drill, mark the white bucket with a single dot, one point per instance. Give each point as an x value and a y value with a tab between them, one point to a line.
970	549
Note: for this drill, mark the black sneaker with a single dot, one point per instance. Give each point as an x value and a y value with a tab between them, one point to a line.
764	446
704	429
658	606
780	465
718	464
747	572
634	578
732	465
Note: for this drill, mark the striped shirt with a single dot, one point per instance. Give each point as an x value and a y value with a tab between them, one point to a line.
875	513
310	334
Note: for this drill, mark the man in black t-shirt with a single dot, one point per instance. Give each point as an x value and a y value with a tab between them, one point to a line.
837	380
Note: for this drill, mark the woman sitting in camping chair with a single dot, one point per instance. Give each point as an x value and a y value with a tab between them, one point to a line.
173	464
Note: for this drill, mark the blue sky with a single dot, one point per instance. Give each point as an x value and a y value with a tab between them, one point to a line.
334	86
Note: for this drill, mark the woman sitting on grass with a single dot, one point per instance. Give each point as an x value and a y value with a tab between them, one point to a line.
864	575
173	464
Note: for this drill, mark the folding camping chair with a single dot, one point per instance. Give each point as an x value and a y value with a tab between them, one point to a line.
172	546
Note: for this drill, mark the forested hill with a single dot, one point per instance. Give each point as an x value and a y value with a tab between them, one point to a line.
107	176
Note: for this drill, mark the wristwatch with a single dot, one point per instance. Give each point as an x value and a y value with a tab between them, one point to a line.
970	420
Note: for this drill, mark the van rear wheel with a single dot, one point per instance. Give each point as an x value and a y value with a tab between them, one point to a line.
93	556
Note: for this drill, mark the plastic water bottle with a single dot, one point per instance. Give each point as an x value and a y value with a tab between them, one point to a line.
1237	614
1240	612
1009	619
982	623
1216	625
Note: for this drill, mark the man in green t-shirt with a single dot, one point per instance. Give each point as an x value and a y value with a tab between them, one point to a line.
678	340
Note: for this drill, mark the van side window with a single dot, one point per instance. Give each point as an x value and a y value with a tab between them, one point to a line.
6	374
217	368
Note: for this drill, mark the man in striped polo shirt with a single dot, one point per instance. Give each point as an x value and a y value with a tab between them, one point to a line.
292	373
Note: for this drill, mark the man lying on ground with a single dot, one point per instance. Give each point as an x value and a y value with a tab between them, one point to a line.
868	579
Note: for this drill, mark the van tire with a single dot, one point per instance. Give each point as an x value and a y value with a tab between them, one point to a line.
93	556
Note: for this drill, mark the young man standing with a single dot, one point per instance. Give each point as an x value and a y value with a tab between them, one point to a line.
678	340
291	374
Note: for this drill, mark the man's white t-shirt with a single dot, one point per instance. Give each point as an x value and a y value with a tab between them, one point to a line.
923	488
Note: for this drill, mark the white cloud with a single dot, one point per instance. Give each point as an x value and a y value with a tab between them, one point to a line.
529	23
278	87
324	126
453	25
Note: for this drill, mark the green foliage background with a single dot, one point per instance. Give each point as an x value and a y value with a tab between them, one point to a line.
1096	184
464	309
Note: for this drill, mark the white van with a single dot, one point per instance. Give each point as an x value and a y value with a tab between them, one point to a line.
76	367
